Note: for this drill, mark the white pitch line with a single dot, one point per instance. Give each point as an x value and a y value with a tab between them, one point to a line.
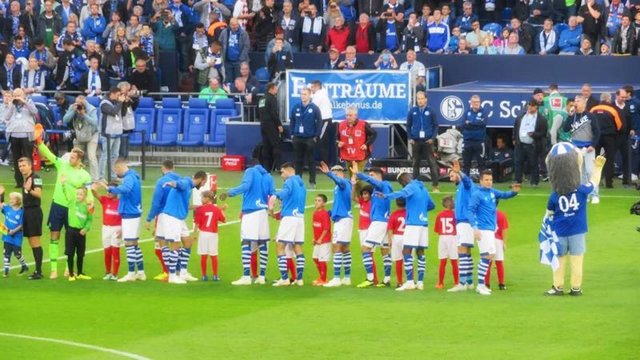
77	344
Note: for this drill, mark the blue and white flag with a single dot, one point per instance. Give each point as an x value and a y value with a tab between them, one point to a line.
548	244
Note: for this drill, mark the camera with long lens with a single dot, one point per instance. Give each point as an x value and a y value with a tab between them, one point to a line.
17	102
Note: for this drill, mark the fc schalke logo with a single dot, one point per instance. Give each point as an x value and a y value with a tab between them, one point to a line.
451	108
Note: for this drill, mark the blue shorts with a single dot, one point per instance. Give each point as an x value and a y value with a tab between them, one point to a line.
574	245
58	217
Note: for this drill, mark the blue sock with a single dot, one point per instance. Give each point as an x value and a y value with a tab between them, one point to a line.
422	267
386	261
464	267
185	254
173	261
337	264
483	265
367	261
165	255
470	271
346	262
282	266
139	261
131	258
300	265
408	266
246	259
263	250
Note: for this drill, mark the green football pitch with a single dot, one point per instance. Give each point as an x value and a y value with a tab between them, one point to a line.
97	319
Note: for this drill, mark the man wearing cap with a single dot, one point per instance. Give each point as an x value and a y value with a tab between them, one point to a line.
334	59
529	134
355	138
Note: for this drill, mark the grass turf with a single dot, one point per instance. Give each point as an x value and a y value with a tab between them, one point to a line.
160	321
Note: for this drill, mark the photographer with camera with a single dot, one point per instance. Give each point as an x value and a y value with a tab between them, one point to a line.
20	117
129	105
111	129
82	117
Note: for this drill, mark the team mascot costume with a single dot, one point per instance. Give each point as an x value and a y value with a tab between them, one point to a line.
566	219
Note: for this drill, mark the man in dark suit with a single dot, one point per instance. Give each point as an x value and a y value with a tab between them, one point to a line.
529	137
95	82
10	73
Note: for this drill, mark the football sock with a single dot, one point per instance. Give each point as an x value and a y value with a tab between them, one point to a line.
254	264
53	255
185	254
80	262
131	258
20	257
483	266
115	254
367	261
487	278
386	261
346	262
246	259
399	270
160	256
282	266
337	264
462	267
291	266
500	269
373	267
139	261
315	261
108	259
323	270
264	257
441	270
300	265
422	267
172	261
214	265
456	271
470	270
37	256
203	265
7	260
70	263
408	266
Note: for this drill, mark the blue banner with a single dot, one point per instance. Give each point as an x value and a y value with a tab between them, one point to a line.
379	96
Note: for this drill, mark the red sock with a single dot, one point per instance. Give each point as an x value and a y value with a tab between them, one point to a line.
115	254
500	268
399	271
254	264
441	270
203	265
159	256
487	278
214	265
323	270
373	265
107	259
291	265
315	261
456	272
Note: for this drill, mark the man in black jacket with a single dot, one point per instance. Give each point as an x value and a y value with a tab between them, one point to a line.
270	128
529	137
610	126
94	82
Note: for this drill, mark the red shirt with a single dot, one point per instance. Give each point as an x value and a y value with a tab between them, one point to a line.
321	222
365	214
503	224
446	223
206	217
397	221
362	39
338	38
110	215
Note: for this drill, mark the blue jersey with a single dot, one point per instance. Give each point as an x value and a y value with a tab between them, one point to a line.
12	219
178	199
482	207
570	211
130	194
256	187
380	207
474	127
160	194
293	196
418	203
341	198
465	189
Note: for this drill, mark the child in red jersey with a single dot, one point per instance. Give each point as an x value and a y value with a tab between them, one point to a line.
501	244
447	241
321	238
111	232
206	217
395	232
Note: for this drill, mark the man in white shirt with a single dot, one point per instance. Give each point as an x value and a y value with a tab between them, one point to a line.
414	66
320	97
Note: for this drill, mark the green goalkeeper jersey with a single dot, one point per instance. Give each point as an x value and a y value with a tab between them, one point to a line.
552	105
75	177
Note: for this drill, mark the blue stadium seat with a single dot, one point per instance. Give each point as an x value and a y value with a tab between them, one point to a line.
57	116
262	74
195	121
94	100
559	28
493	28
169	122
217	130
507	14
40	99
145	119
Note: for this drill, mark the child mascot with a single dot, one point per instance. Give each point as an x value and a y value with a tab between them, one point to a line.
567	210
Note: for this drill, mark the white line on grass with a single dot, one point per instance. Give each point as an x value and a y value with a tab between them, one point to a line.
77	344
